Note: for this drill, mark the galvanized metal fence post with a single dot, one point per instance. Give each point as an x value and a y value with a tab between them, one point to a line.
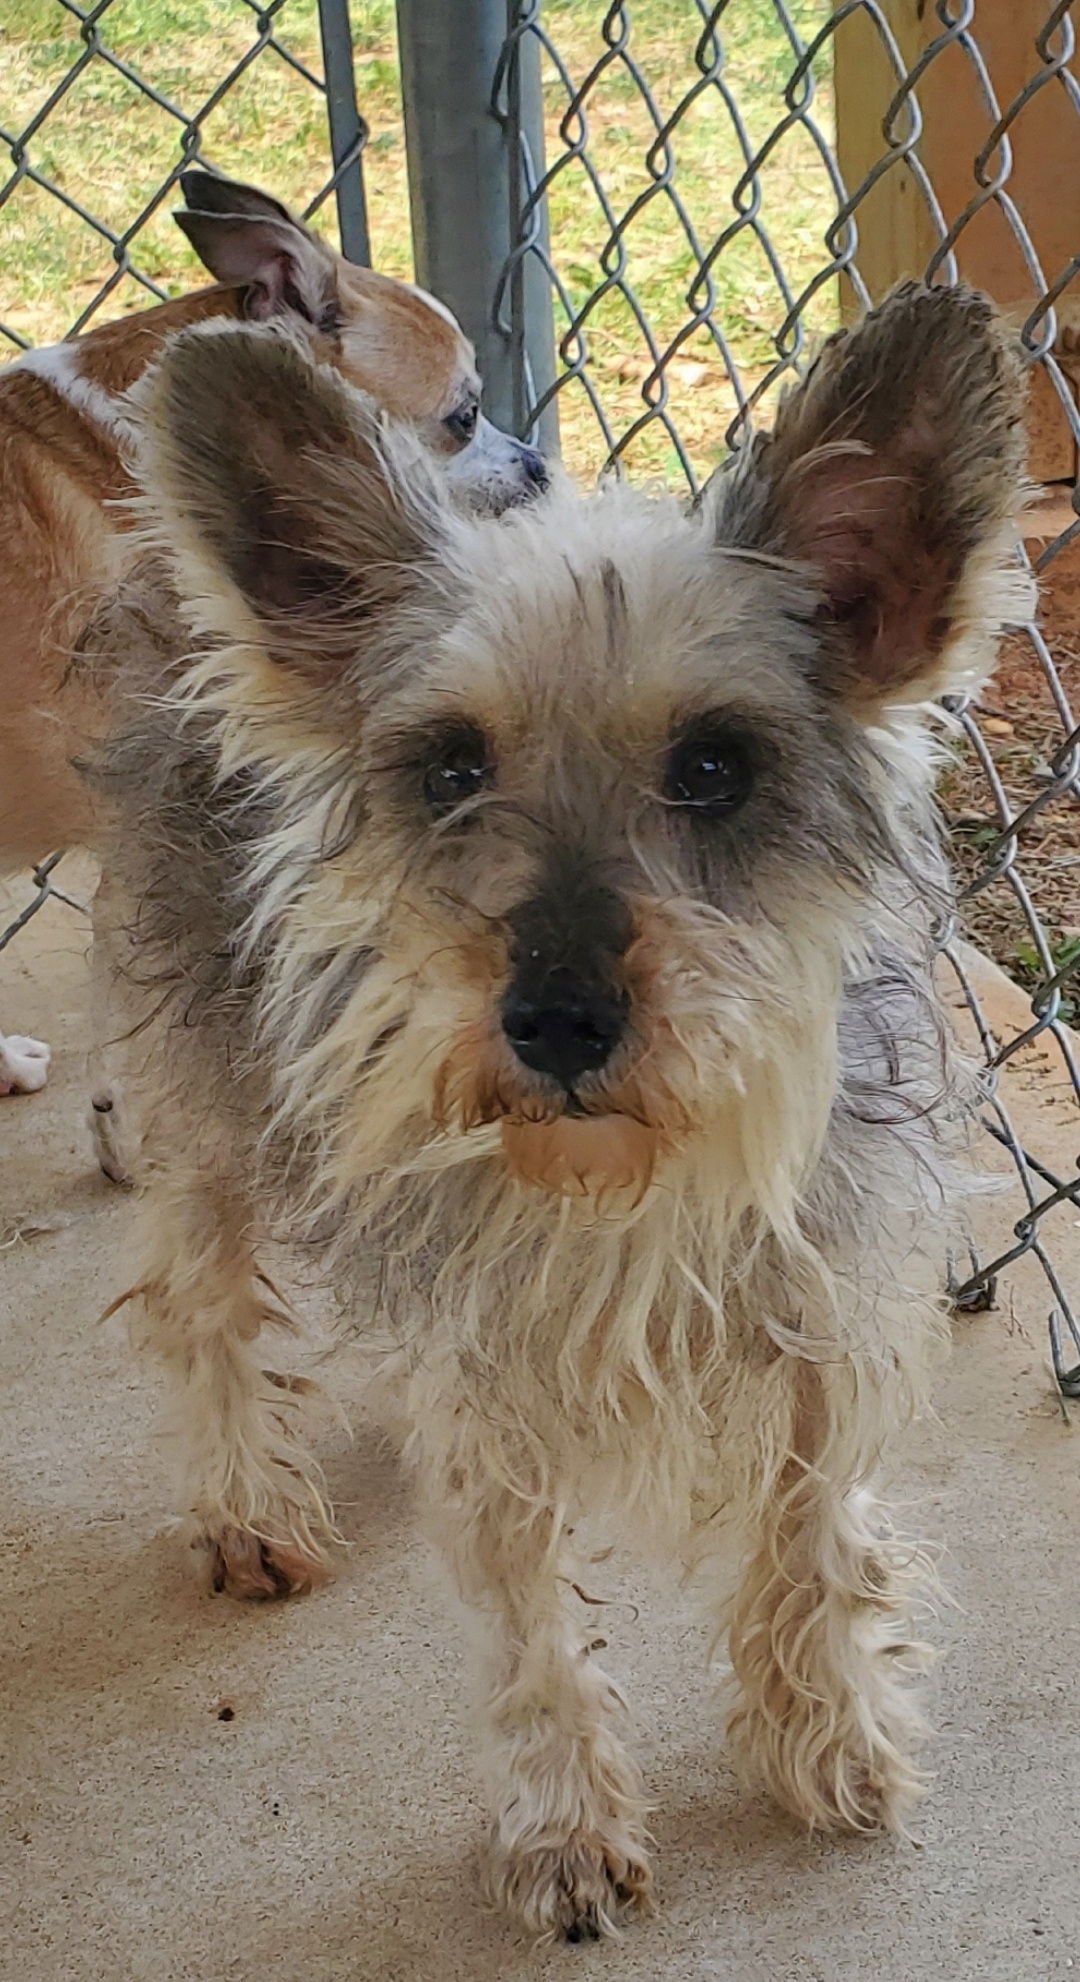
467	187
524	300
348	131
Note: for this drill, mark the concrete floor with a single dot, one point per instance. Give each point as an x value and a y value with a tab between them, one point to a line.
326	1832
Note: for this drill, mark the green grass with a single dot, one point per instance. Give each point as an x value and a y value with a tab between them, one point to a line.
1026	965
109	147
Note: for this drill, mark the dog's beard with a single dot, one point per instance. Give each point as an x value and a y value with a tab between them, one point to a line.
730	1055
713	1005
609	1159
603	1147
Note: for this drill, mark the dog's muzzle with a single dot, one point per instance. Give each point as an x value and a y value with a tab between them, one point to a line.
533	468
563	1027
565	1009
495	471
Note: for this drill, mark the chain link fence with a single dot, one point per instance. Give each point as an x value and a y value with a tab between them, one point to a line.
646	215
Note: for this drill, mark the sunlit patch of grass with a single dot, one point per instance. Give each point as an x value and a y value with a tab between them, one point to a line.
109	147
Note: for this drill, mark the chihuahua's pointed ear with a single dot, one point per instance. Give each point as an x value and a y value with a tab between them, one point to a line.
211	192
894	474
294	519
250	241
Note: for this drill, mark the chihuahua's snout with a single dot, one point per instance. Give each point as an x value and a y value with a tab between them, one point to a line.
495	471
533	467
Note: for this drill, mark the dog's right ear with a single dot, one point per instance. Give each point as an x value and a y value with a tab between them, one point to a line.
250	241
294	519
892	478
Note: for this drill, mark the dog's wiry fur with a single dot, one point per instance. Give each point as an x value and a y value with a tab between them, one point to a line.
696	1291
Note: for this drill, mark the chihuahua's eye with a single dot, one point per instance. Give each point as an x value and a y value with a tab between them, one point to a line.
462	423
710	770
458	768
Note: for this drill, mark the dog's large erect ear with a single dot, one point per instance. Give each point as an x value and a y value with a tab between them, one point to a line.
251	241
294	520
894	471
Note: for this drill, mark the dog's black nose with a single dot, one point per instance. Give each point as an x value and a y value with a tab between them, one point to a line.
535	469
566	1028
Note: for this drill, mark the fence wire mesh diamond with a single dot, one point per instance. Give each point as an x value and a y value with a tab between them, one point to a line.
44	889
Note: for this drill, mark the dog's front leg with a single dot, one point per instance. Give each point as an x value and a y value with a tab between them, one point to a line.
820	1628
113	1125
252	1495
567	1849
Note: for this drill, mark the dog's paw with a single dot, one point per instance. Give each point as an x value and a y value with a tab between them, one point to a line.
115	1143
244	1565
861	1775
576	1891
869	1793
24	1064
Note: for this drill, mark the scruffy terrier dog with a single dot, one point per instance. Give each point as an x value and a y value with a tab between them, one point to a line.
538	916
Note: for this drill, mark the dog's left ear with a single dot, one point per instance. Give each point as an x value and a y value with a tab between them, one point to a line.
250	241
295	520
894	472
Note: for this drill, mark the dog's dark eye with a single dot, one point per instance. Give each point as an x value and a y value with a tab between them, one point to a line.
462	423
458	768
710	770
